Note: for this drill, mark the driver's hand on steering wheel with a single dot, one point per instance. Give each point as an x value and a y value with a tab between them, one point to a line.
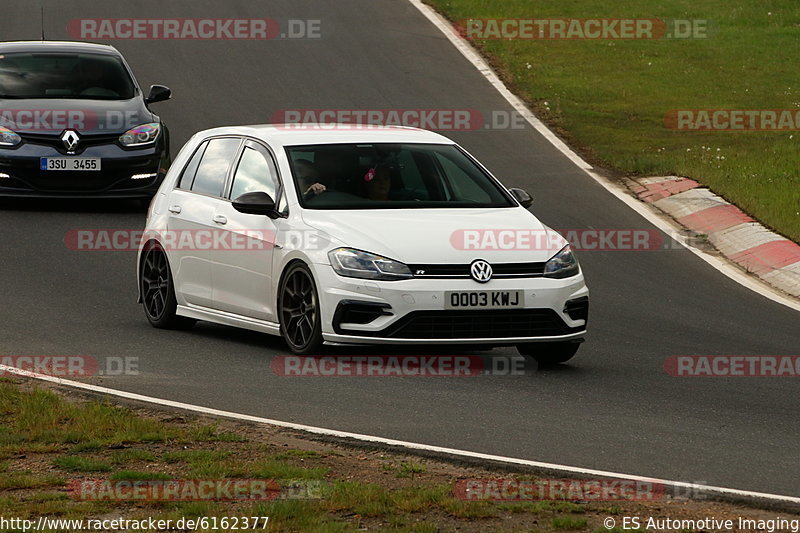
316	188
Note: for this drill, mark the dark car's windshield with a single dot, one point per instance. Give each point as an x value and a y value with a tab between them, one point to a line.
386	176
64	75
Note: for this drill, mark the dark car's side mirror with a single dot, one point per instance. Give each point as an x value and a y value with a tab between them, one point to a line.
522	196
256	203
158	93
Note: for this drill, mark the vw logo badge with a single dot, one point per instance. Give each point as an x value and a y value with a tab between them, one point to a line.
481	271
70	139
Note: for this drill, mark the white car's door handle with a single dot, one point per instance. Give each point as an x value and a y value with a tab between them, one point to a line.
220	219
175	209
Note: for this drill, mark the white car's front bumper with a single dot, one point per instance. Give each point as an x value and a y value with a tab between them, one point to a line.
415	306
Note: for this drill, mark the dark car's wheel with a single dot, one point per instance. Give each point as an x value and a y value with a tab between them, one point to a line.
549	353
298	310
158	292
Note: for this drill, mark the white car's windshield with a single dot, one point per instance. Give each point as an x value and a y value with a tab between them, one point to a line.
386	176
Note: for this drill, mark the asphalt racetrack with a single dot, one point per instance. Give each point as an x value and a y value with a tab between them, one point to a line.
613	407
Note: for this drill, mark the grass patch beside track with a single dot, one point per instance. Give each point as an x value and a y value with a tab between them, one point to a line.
353	489
609	97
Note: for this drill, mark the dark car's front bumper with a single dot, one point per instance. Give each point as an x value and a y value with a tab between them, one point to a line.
21	174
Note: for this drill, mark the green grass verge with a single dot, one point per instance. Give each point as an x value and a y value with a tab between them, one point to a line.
75	463
610	97
51	444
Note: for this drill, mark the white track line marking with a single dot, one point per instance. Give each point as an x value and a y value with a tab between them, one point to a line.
668	226
391	442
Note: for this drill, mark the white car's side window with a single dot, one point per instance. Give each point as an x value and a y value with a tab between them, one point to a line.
255	172
187	176
213	168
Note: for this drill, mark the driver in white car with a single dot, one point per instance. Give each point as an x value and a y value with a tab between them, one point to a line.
308	177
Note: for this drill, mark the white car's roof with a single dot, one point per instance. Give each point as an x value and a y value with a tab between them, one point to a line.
300	134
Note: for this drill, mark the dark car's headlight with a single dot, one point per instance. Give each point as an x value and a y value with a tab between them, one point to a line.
142	135
562	265
9	137
357	264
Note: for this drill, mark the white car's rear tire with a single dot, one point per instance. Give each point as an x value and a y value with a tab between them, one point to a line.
158	291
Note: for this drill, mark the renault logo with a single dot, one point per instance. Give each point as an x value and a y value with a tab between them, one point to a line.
70	139
481	271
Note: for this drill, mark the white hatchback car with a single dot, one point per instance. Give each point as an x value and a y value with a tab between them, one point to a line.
355	234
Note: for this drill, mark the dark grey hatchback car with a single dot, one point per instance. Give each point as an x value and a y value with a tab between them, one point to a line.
74	123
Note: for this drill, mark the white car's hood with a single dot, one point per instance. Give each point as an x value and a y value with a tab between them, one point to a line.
444	236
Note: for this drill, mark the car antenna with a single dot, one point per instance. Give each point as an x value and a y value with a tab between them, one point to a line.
42	21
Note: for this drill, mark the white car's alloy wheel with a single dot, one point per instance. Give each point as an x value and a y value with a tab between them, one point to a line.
158	294
299	310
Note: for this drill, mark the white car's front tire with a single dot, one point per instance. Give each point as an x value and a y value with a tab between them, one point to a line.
299	310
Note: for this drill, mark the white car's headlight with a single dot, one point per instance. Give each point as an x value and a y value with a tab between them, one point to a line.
562	265
9	137
357	264
141	135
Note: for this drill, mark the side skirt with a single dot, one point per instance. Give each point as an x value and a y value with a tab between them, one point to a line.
229	319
